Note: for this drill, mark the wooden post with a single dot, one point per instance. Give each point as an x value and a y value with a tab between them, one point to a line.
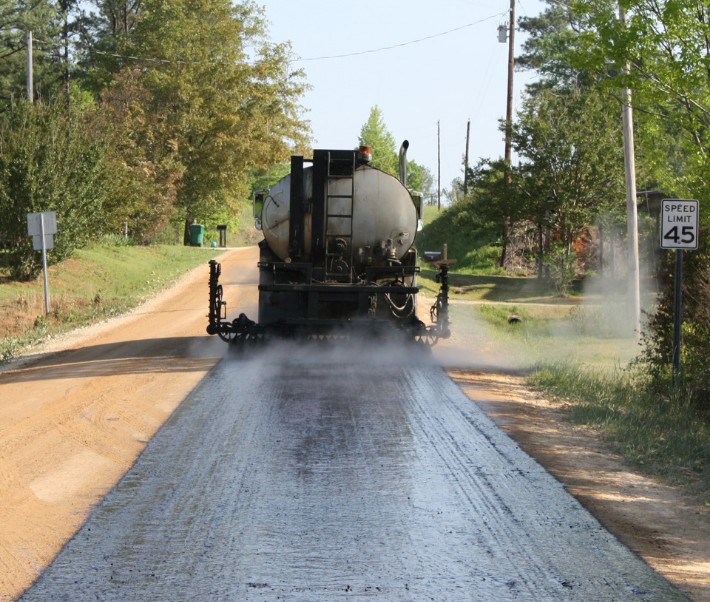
631	212
438	164
465	163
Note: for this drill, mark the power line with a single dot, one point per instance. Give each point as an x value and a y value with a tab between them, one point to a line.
315	58
409	43
153	59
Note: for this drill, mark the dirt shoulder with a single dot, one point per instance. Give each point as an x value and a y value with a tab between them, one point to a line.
667	529
76	414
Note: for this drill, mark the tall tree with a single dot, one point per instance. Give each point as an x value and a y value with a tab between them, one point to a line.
51	159
143	162
120	15
17	17
374	133
107	27
546	49
573	153
667	45
228	95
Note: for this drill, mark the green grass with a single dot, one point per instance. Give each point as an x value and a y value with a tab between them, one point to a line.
94	284
477	287
429	213
588	368
662	436
475	247
546	334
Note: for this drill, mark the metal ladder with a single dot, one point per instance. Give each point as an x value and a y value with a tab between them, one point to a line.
339	219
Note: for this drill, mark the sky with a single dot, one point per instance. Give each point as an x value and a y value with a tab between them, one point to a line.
428	74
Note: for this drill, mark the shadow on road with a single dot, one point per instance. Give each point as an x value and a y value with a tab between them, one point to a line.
176	354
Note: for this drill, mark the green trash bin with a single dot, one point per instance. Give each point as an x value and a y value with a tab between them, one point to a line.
197	235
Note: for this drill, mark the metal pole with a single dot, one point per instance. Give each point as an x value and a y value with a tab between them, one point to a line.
631	215
30	76
509	99
44	264
677	314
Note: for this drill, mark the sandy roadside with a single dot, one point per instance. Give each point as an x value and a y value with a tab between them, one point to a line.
77	412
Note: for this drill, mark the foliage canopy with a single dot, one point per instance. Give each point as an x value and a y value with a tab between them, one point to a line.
144	113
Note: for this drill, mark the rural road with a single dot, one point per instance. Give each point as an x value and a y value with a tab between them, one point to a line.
298	473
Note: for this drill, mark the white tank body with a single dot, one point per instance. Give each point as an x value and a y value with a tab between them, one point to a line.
382	211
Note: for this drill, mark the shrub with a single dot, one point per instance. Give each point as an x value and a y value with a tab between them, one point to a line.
657	341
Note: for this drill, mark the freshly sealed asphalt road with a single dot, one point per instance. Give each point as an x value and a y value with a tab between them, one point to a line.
326	474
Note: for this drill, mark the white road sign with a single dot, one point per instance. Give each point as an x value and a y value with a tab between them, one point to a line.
679	223
48	242
42	227
33	223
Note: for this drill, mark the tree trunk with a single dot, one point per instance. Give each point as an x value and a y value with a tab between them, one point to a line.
186	234
540	252
504	250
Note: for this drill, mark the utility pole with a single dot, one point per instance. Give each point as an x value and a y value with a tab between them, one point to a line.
438	164
465	162
508	156
30	76
509	99
631	210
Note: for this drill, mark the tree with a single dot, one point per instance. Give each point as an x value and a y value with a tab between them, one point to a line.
419	178
51	159
143	163
667	44
119	16
106	30
17	18
374	133
228	96
574	160
385	153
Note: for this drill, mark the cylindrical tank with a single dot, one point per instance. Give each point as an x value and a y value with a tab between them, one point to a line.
382	211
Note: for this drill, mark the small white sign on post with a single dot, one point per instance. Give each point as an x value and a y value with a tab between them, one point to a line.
679	224
42	227
35	221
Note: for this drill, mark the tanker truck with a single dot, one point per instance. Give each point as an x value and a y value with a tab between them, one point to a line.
337	257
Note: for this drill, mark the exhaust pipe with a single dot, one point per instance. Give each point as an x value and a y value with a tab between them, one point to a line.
403	162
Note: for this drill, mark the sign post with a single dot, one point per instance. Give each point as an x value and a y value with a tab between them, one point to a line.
679	231
42	227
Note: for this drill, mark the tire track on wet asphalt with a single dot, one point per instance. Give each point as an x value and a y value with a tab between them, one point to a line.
527	514
343	477
481	484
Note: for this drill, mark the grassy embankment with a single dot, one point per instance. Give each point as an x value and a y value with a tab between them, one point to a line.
94	284
577	350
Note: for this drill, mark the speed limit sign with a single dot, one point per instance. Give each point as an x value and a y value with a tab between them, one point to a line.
679	224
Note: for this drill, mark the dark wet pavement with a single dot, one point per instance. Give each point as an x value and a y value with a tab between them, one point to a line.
309	474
